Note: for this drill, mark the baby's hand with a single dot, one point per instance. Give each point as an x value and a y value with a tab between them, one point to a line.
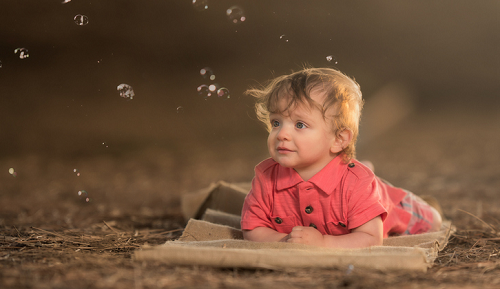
305	235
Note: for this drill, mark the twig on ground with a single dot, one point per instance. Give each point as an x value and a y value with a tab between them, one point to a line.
165	232
48	232
489	225
451	258
111	228
18	233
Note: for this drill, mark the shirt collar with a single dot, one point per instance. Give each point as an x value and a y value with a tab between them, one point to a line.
287	178
326	179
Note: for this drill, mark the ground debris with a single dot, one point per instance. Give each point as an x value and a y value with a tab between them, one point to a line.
102	259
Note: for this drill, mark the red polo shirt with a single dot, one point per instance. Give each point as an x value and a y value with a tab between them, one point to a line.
336	200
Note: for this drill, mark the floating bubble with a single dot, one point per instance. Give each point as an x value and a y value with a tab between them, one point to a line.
207	72
126	91
66	1
105	144
0	64
84	195
330	58
349	270
81	19
223	93
204	91
284	38
12	172
236	14
180	109
200	5
22	53
213	87
77	172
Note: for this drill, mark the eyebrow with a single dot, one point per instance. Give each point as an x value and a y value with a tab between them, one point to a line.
304	115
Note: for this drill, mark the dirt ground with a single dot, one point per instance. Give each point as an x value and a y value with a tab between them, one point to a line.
87	177
53	237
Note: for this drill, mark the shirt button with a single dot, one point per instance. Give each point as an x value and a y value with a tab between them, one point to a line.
351	165
312	225
278	220
309	209
342	224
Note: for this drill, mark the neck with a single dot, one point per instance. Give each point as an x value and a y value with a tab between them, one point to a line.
309	172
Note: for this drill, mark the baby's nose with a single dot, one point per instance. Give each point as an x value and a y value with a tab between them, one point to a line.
283	134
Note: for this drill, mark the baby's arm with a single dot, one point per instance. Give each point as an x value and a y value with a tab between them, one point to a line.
366	235
263	234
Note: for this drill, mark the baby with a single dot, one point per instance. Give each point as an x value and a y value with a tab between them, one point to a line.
312	190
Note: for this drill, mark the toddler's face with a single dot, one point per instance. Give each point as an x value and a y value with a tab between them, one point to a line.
300	138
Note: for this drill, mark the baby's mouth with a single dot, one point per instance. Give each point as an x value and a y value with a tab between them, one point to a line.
283	150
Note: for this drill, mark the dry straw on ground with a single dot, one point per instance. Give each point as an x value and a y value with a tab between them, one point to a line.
99	256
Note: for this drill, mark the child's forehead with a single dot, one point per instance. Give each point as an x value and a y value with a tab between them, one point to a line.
295	109
304	111
286	102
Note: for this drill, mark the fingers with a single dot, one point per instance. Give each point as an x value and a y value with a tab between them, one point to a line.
296	240
285	239
305	235
297	232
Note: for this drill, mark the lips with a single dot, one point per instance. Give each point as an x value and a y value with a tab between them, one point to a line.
283	150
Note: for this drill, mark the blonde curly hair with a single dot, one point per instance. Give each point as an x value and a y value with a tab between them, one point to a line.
342	94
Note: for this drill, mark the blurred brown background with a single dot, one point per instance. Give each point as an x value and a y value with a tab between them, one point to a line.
60	110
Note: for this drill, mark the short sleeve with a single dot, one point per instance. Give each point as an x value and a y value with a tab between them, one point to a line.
364	201
257	206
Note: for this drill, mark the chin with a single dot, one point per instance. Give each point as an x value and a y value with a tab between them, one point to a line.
285	164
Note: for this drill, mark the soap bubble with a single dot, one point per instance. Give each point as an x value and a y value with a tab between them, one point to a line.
0	64
200	5
81	19
204	91
284	38
12	172
207	90
223	93
207	72
84	195
22	53
66	1
77	172
104	144
235	14
213	87
126	91
330	58
180	109
349	270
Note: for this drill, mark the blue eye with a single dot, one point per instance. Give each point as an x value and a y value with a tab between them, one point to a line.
275	123
300	125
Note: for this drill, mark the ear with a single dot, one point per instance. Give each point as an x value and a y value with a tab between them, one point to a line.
342	140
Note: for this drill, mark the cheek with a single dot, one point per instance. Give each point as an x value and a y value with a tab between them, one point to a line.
270	139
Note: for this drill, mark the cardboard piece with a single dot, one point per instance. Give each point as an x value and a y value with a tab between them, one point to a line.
220	196
217	241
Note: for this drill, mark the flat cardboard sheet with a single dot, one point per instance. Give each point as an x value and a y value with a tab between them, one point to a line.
217	241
